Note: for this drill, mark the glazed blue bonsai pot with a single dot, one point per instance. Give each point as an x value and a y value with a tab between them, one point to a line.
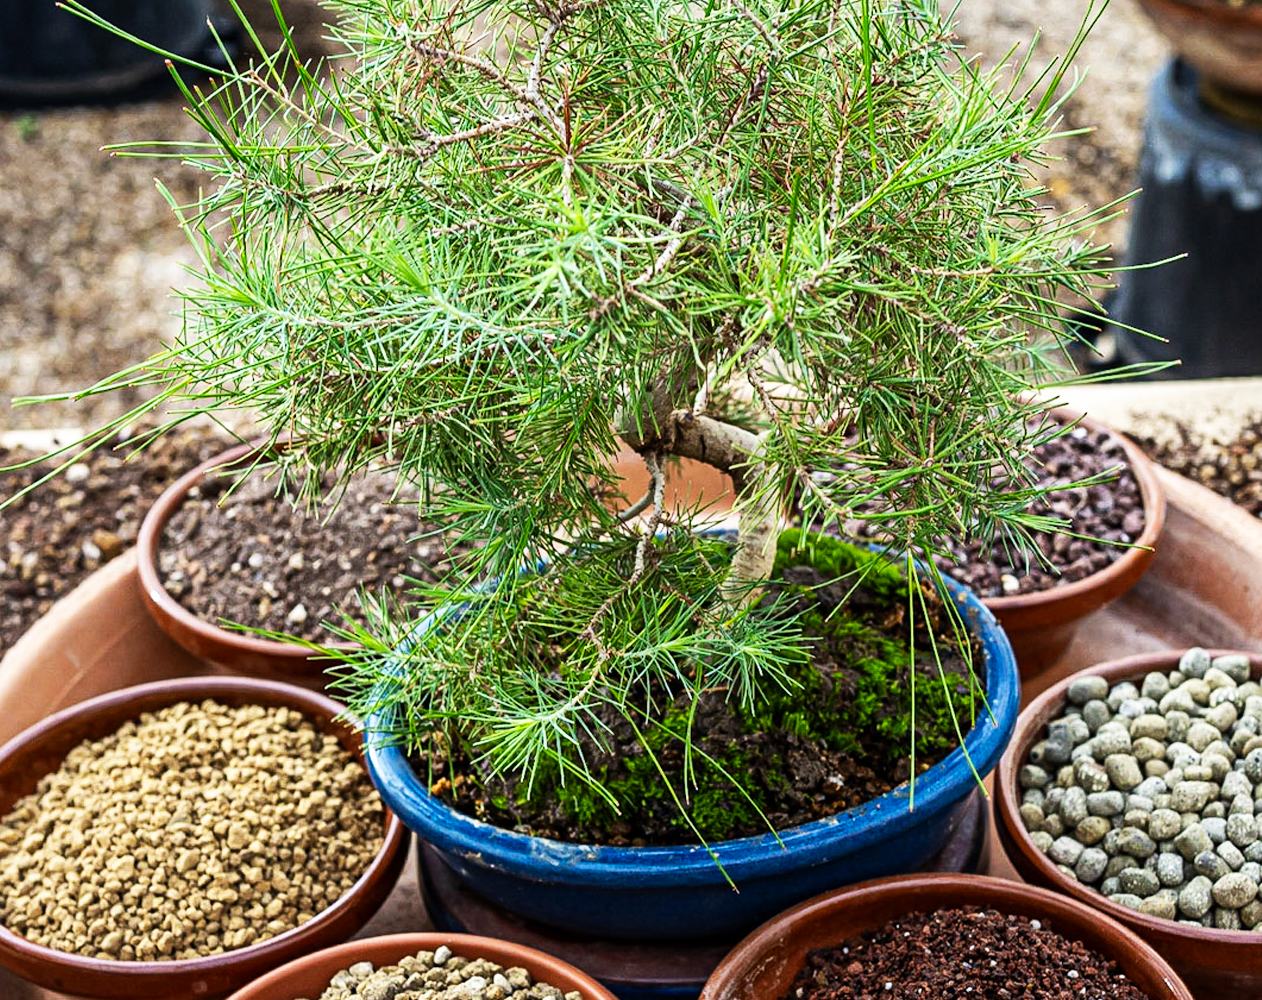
664	893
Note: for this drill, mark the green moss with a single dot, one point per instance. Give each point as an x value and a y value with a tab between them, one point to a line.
849	694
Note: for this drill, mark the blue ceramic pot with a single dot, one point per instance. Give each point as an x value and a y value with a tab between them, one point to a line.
664	893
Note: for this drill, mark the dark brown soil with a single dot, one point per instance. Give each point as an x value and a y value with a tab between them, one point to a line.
1112	511
967	954
797	777
1230	468
249	557
55	536
1108	512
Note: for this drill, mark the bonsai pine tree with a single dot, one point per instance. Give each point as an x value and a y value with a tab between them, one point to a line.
798	240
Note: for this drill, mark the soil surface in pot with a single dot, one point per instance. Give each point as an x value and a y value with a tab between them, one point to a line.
1104	513
193	830
840	737
441	975
1231	468
1146	790
972	953
72	525
242	553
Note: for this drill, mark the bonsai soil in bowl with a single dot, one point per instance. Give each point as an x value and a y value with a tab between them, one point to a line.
945	937
825	764
220	548
1230	464
840	735
1162	754
468	967
184	836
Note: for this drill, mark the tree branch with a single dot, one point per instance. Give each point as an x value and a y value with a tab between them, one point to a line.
737	452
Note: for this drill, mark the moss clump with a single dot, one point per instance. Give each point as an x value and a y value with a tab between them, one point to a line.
838	733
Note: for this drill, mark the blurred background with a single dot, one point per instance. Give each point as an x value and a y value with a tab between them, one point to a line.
89	251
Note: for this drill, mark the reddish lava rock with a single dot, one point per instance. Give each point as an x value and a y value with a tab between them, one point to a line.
970	953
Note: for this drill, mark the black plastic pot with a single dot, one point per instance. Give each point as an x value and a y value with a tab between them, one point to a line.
1201	195
49	55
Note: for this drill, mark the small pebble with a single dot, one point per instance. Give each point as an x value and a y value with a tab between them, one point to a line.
1164	905
1209	864
1110	803
1140	882
1092	830
1234	890
1155	686
1065	851
1196	898
1170	869
1084	689
1095	714
1235	665
1230	853
1123	770
1194	662
1091	865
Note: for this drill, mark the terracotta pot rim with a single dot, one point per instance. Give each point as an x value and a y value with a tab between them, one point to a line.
289	656
309	703
471	945
780	928
1142	550
1007	801
1248	16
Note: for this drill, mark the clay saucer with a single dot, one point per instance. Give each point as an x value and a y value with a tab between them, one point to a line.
39	751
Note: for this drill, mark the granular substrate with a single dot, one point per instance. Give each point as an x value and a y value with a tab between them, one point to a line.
970	953
440	975
192	831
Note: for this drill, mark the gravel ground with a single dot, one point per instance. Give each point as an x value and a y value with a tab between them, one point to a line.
89	252
1117	62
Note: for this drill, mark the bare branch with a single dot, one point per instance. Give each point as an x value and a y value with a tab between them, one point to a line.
488	70
715	442
653	461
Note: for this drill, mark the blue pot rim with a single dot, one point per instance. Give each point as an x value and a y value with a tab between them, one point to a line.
763	856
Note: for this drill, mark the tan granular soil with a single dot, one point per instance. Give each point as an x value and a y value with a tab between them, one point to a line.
192	831
89	251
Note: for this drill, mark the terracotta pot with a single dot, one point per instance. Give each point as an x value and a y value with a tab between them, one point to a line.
25	760
1040	626
1215	964
238	651
688	484
1222	41
309	976
763	966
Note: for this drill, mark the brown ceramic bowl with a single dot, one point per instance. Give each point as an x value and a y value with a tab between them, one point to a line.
1215	964
309	976
40	750
1222	41
689	484
1041	625
238	651
763	965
